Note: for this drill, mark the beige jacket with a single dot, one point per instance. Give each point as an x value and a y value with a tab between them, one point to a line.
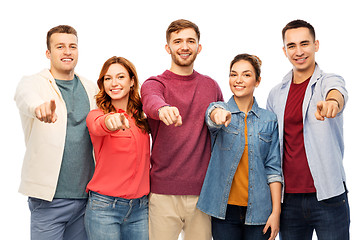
44	141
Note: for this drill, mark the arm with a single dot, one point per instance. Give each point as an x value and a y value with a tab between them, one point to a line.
154	105
274	219
30	102
333	104
100	124
220	116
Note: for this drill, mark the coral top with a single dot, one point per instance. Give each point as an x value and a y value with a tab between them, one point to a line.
122	158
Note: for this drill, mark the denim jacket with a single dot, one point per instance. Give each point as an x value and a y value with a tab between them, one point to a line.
227	148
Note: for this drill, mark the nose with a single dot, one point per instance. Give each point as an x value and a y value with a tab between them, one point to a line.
239	79
67	50
184	45
299	51
114	82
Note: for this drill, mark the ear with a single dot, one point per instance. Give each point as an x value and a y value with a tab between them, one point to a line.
132	82
167	48
258	82
48	54
284	50
317	45
199	48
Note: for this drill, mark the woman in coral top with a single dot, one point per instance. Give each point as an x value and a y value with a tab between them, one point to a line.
242	187
118	202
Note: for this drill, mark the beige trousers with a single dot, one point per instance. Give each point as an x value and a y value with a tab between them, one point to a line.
170	215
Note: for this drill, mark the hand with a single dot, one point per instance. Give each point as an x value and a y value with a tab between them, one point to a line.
46	112
170	115
327	109
116	121
274	223
221	116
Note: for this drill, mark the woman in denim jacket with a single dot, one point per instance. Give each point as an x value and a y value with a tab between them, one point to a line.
242	187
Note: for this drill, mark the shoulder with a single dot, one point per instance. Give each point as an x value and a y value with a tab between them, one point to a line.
266	115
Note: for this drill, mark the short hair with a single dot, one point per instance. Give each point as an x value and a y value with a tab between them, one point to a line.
59	29
298	24
252	59
179	25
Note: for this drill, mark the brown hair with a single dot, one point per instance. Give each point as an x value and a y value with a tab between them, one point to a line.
179	25
298	24
134	106
252	59
59	29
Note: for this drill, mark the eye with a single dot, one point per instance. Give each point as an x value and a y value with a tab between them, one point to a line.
107	79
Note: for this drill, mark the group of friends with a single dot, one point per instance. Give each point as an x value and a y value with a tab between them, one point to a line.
221	170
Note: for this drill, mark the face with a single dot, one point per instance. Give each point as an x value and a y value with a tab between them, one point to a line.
299	48
63	53
183	47
242	79
117	83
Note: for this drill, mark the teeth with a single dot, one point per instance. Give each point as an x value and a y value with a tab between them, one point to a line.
66	60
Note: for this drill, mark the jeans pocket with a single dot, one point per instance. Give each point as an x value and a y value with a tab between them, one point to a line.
334	201
34	203
97	203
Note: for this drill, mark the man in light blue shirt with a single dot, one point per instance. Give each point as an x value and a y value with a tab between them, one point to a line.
309	105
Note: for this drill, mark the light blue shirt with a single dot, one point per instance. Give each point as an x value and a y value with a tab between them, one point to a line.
324	142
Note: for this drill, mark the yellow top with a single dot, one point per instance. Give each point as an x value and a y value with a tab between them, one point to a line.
239	188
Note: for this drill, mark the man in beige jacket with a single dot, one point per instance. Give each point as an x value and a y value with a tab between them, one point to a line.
58	162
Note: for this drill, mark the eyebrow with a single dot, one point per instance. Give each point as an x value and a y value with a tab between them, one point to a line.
302	42
242	71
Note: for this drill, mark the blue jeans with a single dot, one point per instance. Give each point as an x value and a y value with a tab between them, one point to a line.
61	219
301	214
113	218
234	227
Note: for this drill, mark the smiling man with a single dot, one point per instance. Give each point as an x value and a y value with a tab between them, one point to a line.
58	162
175	103
309	105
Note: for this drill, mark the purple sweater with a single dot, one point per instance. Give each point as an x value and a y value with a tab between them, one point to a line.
180	155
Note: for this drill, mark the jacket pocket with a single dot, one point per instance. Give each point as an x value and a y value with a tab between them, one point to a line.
228	137
264	143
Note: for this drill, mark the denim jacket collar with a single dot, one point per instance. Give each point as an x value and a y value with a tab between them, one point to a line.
233	108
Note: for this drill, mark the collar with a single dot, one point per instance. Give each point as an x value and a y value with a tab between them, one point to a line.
233	108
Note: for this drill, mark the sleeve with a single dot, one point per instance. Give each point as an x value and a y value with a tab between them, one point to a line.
27	97
152	98
269	102
332	82
213	127
95	121
273	159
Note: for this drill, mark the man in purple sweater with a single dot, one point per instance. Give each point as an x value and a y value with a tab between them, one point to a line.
175	103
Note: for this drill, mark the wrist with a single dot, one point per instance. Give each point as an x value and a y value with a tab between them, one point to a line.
334	100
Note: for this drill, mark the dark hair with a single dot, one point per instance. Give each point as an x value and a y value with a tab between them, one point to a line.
252	59
179	25
298	24
59	29
134	106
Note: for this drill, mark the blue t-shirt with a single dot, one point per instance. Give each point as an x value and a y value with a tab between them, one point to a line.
77	165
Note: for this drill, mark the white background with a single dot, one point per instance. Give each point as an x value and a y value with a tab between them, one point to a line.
136	30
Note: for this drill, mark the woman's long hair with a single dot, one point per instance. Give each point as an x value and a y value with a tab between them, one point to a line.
134	106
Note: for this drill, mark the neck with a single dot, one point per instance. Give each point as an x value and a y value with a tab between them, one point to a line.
62	75
181	70
302	76
120	104
244	104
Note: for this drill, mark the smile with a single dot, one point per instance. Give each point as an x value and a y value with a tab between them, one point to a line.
66	59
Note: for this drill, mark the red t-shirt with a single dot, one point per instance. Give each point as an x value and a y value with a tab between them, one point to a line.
296	170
